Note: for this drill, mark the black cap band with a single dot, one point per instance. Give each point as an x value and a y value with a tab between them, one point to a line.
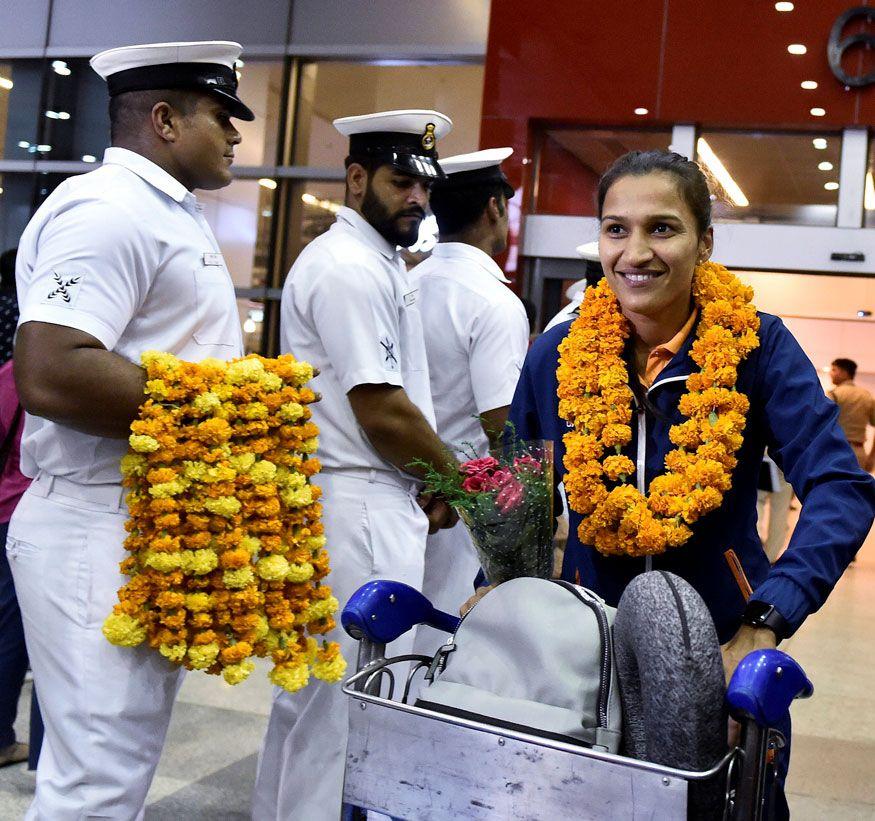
197	76
210	78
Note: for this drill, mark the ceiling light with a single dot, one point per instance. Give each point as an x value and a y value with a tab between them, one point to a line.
249	326
818	112
239	63
5	83
60	67
43	148
819	143
1	190
239	75
89	158
869	193
706	154
797	48
641	111
58	115
831	186
23	144
825	166
808	85
267	182
783	7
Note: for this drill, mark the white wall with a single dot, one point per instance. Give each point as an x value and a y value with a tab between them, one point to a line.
821	312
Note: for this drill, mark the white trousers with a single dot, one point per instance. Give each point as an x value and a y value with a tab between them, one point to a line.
451	565
105	708
374	531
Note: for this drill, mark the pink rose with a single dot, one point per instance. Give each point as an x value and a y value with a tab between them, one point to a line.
527	463
498	479
474	484
475	466
510	496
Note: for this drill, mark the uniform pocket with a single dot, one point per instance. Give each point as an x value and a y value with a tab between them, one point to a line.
17	549
217	319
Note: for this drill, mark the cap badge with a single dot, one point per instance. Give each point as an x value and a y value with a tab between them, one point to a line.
428	138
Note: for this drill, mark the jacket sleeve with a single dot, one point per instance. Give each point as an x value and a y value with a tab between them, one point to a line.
838	498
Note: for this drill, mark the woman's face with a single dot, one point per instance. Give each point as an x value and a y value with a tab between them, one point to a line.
649	246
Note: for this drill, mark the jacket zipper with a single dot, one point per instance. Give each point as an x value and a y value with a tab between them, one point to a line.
642	451
605	634
640	464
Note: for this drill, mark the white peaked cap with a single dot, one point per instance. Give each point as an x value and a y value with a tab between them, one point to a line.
206	66
589	251
403	121
113	60
475	161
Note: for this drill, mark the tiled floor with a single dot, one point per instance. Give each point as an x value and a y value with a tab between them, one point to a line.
208	766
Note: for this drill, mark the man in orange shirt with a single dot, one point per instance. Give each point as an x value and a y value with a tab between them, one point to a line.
856	408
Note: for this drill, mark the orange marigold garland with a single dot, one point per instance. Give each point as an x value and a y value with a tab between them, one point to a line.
226	543
595	398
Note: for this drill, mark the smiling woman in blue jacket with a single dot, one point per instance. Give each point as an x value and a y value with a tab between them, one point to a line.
655	236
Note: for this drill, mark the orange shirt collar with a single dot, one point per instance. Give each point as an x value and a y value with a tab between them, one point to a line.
661	355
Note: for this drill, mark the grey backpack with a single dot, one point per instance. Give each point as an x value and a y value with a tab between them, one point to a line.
534	655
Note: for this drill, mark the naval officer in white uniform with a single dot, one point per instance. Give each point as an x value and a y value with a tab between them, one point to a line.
476	337
350	309
114	263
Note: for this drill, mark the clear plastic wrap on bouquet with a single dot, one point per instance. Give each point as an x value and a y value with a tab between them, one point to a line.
506	502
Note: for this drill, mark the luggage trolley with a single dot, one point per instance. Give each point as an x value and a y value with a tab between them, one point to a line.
411	763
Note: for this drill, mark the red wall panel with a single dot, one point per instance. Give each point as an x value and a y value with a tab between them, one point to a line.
719	64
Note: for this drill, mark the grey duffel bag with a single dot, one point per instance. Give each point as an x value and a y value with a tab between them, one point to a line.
534	655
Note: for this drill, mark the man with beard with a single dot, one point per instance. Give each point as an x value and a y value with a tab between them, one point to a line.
350	310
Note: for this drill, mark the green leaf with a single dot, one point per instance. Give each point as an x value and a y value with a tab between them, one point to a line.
712	418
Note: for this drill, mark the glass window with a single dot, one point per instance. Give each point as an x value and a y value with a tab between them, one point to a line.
328	90
260	87
75	122
240	215
572	160
16	195
769	177
20	92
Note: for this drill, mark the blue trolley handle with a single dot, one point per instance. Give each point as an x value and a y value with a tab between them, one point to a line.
381	611
759	696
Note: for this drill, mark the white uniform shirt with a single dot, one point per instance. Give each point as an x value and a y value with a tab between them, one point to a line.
476	337
349	309
124	254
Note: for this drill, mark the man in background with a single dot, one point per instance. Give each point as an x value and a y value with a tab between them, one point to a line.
8	304
350	309
476	337
856	408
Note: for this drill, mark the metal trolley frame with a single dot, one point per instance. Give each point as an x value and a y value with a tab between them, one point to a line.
411	763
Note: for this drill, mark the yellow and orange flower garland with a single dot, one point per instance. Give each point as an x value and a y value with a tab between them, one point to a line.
595	398
226	544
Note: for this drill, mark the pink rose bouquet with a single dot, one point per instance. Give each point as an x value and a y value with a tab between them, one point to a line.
506	502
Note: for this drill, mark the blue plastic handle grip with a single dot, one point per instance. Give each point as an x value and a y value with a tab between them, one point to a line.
764	684
383	610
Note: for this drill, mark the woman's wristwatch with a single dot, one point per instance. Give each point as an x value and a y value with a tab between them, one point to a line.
759	614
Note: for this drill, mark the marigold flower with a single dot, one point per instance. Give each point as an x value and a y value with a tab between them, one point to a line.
198	562
203	656
223	506
238	578
143	443
235	673
173	652
272	568
123	630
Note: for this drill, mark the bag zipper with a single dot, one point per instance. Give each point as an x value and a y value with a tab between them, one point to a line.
605	633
